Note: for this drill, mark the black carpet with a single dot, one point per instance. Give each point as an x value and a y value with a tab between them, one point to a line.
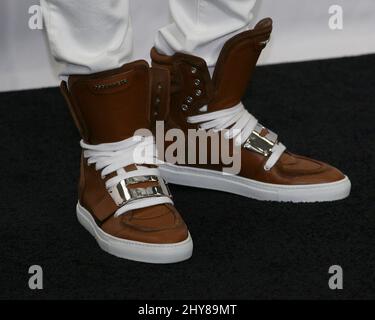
244	249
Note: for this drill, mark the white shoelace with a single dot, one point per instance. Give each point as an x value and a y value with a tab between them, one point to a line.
241	124
113	157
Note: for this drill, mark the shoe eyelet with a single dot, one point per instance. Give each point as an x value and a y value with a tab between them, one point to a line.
197	82
185	107
194	70
198	92
189	100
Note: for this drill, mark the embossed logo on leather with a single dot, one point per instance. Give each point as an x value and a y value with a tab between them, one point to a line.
104	86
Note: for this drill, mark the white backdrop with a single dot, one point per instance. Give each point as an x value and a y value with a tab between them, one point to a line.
301	32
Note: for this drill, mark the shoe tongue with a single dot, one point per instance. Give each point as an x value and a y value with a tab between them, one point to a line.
112	105
236	65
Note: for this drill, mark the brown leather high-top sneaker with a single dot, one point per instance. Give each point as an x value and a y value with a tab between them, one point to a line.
123	201
268	171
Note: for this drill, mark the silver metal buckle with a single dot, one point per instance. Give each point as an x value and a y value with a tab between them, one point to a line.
122	195
261	144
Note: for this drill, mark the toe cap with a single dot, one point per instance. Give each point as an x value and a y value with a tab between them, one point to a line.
160	224
302	170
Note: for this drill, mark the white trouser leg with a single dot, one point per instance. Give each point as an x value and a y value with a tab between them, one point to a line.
89	35
201	27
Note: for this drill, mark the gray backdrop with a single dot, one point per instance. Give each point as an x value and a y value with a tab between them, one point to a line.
301	32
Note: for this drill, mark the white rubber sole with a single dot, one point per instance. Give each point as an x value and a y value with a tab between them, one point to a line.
215	180
133	250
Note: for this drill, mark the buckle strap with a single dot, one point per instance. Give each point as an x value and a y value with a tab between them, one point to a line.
140	179
123	195
259	143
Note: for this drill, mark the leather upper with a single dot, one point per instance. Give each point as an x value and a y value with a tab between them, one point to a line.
109	107
192	88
